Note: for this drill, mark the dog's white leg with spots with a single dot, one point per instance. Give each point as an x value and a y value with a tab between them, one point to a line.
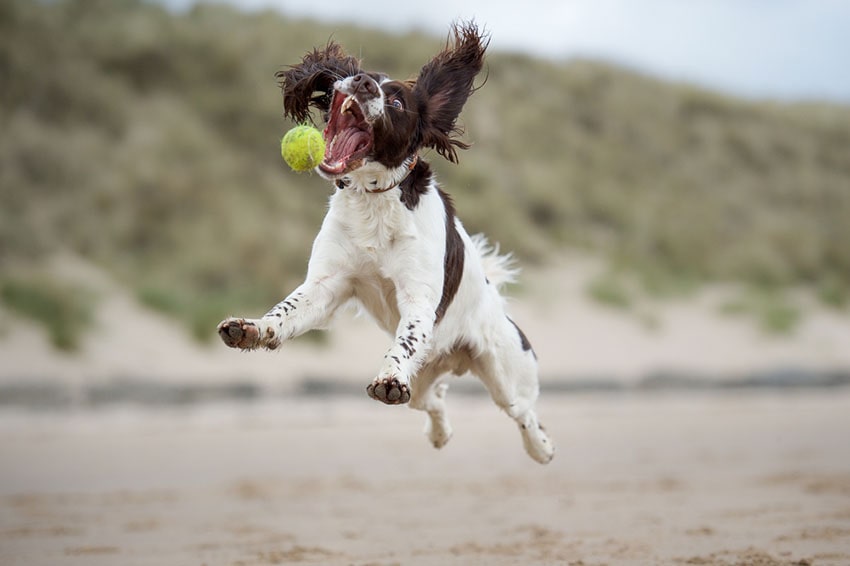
417	277
406	355
509	371
312	305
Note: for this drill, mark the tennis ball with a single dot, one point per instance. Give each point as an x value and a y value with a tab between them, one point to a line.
302	147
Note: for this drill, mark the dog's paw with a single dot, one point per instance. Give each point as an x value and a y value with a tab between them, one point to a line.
239	333
438	431
537	443
389	390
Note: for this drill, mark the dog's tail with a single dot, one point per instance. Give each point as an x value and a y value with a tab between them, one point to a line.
499	269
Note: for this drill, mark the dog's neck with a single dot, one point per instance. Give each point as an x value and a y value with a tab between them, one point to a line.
375	178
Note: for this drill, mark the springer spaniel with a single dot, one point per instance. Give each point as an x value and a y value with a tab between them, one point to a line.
391	242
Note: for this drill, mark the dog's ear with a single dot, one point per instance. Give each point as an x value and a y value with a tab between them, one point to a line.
443	86
311	81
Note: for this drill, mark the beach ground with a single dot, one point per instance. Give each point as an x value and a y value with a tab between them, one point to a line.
731	477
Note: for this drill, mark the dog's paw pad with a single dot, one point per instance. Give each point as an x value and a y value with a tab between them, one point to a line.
389	390
239	333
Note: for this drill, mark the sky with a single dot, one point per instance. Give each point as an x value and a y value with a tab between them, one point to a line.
788	50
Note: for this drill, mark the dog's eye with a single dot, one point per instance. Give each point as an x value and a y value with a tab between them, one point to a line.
397	104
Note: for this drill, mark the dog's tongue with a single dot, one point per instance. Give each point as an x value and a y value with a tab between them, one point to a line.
347	136
345	144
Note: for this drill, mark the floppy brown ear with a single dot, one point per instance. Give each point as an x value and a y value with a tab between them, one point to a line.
445	83
311	81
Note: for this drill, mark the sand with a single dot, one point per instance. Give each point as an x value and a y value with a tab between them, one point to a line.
725	476
684	478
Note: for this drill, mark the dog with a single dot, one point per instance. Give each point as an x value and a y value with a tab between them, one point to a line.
392	244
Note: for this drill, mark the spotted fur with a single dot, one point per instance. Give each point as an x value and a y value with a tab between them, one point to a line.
391	241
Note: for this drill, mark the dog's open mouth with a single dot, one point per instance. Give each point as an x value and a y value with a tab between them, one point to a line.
348	136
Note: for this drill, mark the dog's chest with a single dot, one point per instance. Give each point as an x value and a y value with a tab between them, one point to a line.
374	224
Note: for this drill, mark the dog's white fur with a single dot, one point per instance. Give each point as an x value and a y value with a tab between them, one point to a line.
388	258
372	250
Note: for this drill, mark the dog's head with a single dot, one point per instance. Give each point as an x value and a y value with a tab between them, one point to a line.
371	118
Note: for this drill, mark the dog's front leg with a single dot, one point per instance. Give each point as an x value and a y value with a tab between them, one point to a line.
410	347
310	306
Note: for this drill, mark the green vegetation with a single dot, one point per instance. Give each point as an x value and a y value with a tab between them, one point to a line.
775	312
610	289
147	142
64	310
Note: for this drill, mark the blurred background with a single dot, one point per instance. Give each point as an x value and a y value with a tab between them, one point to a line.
675	183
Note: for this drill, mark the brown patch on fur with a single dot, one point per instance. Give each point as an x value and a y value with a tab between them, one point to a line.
415	184
443	86
310	83
453	259
526	345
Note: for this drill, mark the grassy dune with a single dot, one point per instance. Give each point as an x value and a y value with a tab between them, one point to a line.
147	142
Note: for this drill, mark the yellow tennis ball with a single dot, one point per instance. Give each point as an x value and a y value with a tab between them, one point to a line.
303	147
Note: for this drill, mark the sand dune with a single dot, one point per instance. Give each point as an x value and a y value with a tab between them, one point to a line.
575	339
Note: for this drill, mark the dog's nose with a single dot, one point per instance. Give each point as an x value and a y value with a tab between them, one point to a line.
364	84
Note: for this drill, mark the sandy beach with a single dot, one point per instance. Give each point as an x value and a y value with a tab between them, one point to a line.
676	478
119	454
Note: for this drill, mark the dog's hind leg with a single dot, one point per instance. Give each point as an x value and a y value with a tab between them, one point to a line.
429	394
509	372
